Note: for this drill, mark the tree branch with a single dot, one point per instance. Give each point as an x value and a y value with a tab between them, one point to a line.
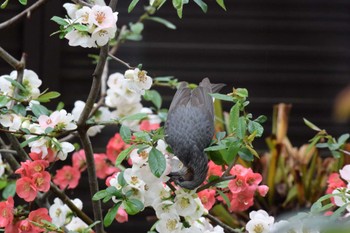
17	65
27	11
226	227
214	182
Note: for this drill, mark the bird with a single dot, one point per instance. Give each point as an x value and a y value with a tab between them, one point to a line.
189	129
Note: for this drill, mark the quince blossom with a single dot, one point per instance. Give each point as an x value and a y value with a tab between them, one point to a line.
6	212
67	177
138	80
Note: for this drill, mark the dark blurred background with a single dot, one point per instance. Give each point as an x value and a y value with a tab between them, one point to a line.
290	51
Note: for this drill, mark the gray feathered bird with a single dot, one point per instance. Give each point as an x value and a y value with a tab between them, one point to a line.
189	129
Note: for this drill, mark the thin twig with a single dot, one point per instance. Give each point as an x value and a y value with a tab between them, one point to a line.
226	227
16	18
344	151
17	65
120	61
8	151
230	166
214	182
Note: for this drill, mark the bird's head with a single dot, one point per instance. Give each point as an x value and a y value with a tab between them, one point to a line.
192	174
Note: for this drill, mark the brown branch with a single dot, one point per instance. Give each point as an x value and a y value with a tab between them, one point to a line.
226	227
27	11
17	65
214	182
120	61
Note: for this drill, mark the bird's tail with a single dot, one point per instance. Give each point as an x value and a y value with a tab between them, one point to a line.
214	87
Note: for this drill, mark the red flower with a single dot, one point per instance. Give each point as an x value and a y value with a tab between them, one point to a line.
50	157
334	181
79	160
121	216
6	212
241	201
28	168
114	147
26	189
37	216
103	169
207	197
67	176
147	126
42	181
214	170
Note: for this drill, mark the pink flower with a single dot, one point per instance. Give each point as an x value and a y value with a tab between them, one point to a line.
262	190
207	197
28	168
238	184
46	121
79	160
334	182
24	226
6	212
103	169
241	201
67	176
147	126
37	216
51	156
214	170
25	189
114	147
103	17
42	181
121	216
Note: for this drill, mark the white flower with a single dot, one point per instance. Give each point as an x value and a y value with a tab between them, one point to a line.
166	206
82	39
345	173
58	212
2	167
184	203
12	121
102	36
66	147
169	222
153	118
82	15
139	159
61	120
103	17
259	222
76	225
133	180
71	9
102	114
138	80
31	82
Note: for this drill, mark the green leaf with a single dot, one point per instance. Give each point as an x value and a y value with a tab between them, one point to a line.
178	5
202	5
48	130
123	155
4	4
226	199
100	195
3	100
234	116
19	109
121	179
154	97
156	162
26	142
125	133
165	22
136	28
81	28
241	128
220	135
133	206
132	5
108	219
216	147
60	106
255	126
143	136
261	119
16	84
48	96
39	110
23	2
222	97
246	155
9	190
343	138
311	125
3	184
134	117
241	92
221	4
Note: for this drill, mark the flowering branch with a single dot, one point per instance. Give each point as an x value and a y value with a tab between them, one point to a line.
22	14
214	182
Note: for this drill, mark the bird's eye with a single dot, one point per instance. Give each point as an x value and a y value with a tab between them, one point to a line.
181	179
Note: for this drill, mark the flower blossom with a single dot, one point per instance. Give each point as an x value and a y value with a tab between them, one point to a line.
138	80
67	177
6	212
